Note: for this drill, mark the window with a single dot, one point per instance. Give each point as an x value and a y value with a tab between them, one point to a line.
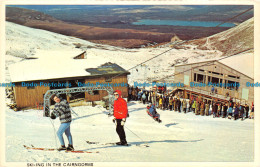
232	85
96	92
108	79
215	80
200	78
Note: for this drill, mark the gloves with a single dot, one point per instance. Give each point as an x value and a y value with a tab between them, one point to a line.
123	121
53	116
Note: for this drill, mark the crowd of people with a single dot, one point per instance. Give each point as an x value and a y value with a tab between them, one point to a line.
196	104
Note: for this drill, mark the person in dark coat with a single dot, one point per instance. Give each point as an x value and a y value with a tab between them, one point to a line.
167	102
202	108
251	116
184	105
236	112
225	107
179	105
247	110
146	95
143	98
241	111
171	103
207	108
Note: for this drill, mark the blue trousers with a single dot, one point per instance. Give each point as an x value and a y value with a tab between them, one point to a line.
64	127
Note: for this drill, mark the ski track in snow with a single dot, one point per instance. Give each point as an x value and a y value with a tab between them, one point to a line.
180	137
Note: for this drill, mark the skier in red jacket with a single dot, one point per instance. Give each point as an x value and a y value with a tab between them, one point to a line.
120	114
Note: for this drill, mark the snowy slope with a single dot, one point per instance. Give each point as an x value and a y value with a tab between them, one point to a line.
231	41
180	137
23	42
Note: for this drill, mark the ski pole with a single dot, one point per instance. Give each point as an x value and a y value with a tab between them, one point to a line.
138	137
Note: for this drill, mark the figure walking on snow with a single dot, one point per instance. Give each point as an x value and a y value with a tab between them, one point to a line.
62	110
120	114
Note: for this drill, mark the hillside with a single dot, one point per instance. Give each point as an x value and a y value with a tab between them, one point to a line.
39	20
116	33
23	43
231	41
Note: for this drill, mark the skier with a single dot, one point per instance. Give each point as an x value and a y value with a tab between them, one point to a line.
120	114
62	110
152	112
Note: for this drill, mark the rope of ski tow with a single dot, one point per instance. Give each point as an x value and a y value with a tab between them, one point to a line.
145	143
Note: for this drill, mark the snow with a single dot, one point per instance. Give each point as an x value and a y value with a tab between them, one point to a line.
23	42
243	63
179	138
49	66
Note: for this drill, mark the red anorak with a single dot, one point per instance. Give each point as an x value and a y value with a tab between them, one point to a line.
120	107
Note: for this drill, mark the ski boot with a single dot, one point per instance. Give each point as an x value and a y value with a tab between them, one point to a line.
70	148
61	148
122	143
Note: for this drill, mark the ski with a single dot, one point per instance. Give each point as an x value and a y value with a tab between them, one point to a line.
114	144
37	148
80	151
54	149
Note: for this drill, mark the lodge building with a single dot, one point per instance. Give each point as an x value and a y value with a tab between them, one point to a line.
228	75
59	70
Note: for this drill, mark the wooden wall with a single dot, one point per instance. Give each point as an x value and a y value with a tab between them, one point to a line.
219	68
119	79
29	96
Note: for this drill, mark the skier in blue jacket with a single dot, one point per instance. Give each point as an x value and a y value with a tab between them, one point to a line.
152	112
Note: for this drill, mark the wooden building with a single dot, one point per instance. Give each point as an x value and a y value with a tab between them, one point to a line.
230	76
32	78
